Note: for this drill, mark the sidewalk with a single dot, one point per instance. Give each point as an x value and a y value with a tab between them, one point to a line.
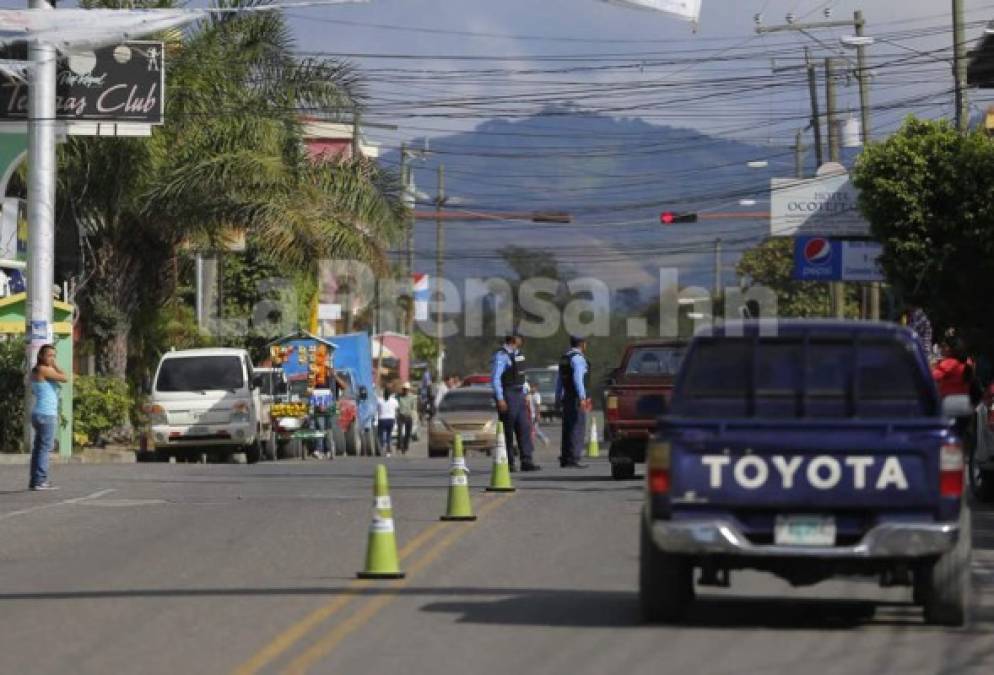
118	455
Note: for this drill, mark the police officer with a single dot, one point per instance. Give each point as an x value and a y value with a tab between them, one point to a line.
507	377
571	393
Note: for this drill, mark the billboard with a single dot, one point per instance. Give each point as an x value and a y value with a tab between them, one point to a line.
824	206
822	259
121	83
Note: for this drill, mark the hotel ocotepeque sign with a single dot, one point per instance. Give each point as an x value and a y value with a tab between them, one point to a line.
824	206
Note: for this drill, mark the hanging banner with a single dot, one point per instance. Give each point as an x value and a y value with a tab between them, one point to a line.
684	9
123	83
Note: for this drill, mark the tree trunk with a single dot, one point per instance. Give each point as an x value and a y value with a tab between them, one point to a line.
112	353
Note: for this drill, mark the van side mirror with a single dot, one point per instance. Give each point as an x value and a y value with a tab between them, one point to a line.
363	393
957	405
257	381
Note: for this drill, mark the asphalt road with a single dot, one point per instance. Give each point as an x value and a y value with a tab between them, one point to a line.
222	568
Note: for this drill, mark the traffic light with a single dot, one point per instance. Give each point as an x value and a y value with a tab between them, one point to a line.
672	217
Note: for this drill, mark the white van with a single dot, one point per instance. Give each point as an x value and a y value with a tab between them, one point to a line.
205	400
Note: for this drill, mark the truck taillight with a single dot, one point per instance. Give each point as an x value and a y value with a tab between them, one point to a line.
658	467
611	408
951	470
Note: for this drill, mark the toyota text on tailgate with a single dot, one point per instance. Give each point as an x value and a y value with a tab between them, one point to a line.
808	450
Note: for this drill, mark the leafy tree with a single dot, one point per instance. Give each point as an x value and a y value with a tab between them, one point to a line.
771	264
229	156
11	394
928	193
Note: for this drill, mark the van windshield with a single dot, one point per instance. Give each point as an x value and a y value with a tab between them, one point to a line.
200	373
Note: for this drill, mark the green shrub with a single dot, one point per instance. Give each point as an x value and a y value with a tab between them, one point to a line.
100	405
11	394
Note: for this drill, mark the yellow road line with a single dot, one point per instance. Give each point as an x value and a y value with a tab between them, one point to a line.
334	637
297	631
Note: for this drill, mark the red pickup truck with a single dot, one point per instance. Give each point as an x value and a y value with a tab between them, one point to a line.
637	393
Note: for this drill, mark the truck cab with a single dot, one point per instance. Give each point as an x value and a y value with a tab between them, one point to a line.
807	449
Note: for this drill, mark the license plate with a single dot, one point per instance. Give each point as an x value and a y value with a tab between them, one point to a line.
804	530
196	431
468	437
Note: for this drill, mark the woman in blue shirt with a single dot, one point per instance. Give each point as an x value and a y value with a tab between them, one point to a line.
45	385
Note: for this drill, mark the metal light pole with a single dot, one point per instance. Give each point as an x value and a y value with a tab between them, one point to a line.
41	198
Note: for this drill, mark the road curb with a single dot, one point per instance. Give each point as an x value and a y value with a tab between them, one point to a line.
88	456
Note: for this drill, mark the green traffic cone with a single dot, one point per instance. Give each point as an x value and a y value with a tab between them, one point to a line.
381	551
500	475
593	447
460	505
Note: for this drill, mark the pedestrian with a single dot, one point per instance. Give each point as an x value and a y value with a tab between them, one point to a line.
507	378
407	406
386	407
441	391
46	379
572	386
919	323
535	403
954	374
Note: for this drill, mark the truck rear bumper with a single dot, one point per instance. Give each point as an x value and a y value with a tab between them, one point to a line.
888	540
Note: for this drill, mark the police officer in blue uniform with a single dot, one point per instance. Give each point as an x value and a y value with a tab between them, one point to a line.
572	386
507	377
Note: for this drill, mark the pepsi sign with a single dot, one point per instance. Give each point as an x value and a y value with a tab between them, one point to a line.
823	259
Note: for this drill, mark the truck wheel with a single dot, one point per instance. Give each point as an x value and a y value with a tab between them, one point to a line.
353	440
623	470
666	581
945	584
253	452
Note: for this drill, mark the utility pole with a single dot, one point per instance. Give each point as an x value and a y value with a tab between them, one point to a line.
799	153
959	67
41	200
356	143
813	94
717	275
439	268
863	77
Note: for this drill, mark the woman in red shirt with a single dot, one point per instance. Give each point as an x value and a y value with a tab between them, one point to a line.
954	372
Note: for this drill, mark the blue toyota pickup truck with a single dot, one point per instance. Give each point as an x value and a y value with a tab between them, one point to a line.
807	449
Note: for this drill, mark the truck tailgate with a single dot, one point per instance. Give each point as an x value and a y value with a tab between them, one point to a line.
806	467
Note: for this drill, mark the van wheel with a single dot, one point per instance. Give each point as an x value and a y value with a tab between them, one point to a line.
666	581
253	452
269	452
338	436
353	440
944	585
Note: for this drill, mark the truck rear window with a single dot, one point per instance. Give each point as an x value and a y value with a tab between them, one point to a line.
788	377
654	361
200	373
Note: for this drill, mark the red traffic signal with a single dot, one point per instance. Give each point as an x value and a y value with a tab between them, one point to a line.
670	217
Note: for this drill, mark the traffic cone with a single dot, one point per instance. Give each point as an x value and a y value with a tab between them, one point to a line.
381	551
500	476
460	505
593	448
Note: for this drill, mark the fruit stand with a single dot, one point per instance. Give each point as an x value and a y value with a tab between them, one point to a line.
307	416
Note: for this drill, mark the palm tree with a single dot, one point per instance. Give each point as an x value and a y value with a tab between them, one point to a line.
230	155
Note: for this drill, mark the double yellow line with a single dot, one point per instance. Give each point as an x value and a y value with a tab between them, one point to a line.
324	645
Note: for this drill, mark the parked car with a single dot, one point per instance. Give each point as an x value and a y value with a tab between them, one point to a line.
468	411
637	394
475	379
822	449
544	379
205	400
